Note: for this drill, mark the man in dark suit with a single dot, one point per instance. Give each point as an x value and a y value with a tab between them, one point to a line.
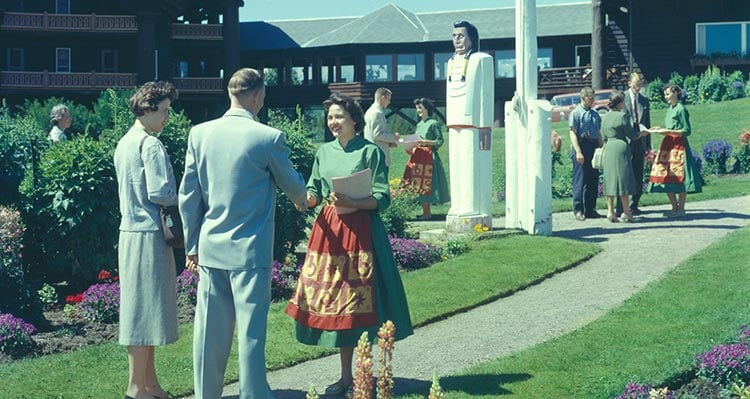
227	202
637	107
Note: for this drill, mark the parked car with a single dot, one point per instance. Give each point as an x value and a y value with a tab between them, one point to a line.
564	104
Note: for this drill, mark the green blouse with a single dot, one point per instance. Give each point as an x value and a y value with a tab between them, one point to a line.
332	160
677	118
429	129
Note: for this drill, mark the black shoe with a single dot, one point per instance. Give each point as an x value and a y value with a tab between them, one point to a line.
594	215
580	217
635	211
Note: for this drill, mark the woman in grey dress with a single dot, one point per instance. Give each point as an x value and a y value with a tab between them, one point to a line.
148	299
616	158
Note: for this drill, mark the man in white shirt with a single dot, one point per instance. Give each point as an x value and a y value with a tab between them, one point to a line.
60	119
376	127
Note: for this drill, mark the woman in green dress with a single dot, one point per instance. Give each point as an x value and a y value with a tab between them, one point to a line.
349	282
674	170
616	158
425	169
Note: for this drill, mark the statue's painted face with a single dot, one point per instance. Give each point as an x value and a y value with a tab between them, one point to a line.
461	41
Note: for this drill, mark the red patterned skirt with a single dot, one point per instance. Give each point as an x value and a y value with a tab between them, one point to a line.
418	172
336	287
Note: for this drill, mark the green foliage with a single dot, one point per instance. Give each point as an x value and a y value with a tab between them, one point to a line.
47	295
21	141
455	247
742	159
403	206
290	224
691	87
111	116
73	210
39	112
676	79
697	389
15	296
713	86
655	94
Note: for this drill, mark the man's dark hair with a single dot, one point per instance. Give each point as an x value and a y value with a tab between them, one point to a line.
472	31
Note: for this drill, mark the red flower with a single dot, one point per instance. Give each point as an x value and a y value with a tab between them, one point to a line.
745	137
79	298
73	299
103	275
70	299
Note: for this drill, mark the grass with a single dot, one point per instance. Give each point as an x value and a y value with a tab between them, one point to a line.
651	338
433	293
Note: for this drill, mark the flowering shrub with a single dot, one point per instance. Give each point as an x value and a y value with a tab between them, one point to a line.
716	153
15	295
742	155
15	335
636	391
412	254
403	206
101	303
284	278
187	288
724	363
455	247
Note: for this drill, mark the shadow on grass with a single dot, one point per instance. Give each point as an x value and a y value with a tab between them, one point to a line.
483	384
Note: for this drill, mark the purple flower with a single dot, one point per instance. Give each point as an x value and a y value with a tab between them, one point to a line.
15	334
716	153
283	279
724	363
634	390
187	288
101	303
412	254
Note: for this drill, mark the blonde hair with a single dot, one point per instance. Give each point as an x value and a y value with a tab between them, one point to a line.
636	79
244	81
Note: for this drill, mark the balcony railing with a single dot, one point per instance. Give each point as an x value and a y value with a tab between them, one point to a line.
198	31
199	85
578	77
65	81
69	22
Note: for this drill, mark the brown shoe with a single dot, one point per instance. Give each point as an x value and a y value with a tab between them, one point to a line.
580	217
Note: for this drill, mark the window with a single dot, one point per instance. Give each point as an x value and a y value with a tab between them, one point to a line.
378	68
347	73
722	38
184	69
505	62
109	60
441	63
62	6
15	57
302	73
271	76
62	59
583	55
410	67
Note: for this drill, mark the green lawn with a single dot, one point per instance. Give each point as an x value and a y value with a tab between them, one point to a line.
433	293
651	338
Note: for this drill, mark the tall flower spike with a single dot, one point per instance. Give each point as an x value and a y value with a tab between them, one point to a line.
436	392
363	369
312	393
385	375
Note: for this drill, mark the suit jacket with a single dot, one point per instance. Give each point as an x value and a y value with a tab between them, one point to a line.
644	114
376	130
228	193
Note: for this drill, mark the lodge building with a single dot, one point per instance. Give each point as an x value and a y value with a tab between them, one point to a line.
76	48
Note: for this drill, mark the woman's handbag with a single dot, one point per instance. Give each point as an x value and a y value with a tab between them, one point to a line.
596	160
171	223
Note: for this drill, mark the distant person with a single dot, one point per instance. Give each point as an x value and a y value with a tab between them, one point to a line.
619	181
376	126
674	170
60	118
425	169
233	165
146	182
585	125
350	282
638	110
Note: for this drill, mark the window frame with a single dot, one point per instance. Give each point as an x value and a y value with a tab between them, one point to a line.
700	36
57	59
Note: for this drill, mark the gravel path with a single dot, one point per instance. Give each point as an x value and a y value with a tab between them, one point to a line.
558	305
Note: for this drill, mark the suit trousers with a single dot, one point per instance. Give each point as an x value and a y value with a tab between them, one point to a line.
637	152
585	179
226	296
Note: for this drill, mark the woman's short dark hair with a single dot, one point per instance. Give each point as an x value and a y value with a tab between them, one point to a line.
427	104
673	88
148	97
471	30
350	105
616	98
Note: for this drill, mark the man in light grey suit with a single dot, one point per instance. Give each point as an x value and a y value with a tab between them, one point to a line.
376	126
227	202
637	108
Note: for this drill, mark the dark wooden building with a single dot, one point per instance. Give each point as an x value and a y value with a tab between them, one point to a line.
76	48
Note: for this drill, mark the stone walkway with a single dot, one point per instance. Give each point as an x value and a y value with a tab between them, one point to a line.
633	255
